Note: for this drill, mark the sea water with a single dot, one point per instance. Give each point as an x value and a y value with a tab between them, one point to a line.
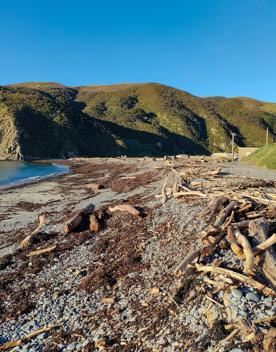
18	172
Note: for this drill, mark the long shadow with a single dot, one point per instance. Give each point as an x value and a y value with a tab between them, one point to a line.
153	144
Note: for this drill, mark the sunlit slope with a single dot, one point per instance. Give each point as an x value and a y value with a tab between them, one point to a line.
51	120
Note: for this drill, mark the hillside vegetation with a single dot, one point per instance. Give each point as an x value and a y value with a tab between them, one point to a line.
265	156
50	120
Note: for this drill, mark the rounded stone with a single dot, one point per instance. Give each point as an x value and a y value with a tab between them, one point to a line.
236	293
72	346
250	296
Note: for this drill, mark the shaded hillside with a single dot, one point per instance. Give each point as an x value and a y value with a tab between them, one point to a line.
47	120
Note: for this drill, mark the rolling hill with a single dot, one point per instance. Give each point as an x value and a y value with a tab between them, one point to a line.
50	120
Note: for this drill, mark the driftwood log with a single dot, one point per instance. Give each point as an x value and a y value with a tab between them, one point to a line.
213	207
259	228
125	208
77	219
233	243
248	253
237	276
224	213
41	251
11	344
30	238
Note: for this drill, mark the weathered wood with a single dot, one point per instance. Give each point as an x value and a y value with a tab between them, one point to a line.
224	213
25	338
265	245
94	223
259	229
269	341
179	270
77	219
233	243
41	251
94	186
73	222
125	208
242	278
30	238
247	250
214	206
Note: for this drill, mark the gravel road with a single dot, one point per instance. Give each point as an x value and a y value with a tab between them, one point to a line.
244	169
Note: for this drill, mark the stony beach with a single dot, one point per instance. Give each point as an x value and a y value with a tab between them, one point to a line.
115	290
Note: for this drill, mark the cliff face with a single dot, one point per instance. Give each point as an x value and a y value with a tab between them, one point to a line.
47	120
9	146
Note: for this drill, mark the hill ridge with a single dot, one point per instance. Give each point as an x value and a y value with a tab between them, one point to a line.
53	121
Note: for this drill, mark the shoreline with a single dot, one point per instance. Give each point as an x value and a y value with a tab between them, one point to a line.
38	179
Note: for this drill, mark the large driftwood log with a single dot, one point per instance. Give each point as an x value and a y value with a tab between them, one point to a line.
126	208
224	213
74	222
259	228
77	219
29	239
242	278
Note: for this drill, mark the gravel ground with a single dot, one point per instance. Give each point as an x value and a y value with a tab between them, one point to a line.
115	290
244	169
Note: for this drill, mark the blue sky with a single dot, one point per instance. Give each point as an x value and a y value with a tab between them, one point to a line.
206	47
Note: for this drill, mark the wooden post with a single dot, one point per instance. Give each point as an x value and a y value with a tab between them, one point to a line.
233	143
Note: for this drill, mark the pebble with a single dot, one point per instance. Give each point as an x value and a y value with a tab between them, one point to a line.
250	296
72	346
236	293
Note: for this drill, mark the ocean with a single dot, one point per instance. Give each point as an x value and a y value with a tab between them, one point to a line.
19	172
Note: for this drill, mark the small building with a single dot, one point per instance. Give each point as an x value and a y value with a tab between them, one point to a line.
245	151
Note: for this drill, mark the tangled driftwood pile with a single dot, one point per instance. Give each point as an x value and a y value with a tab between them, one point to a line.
242	220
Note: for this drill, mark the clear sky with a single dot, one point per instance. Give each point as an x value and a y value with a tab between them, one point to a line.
206	47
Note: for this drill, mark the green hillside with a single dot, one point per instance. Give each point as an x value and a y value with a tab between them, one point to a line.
50	120
265	156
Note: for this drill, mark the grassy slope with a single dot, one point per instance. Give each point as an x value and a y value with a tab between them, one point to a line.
265	156
132	119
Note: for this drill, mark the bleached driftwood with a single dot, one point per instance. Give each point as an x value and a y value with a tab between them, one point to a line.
29	239
125	208
259	230
237	276
214	206
41	251
233	243
24	339
269	341
224	213
248	253
264	245
94	186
